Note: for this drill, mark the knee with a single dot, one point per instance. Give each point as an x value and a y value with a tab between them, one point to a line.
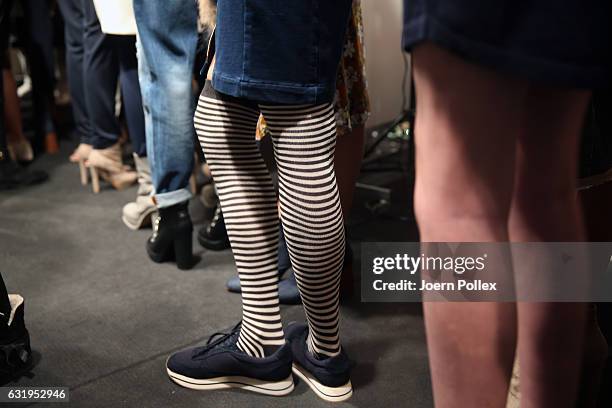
468	218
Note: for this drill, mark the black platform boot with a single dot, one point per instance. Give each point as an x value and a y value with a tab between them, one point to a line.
214	235
172	236
15	351
14	176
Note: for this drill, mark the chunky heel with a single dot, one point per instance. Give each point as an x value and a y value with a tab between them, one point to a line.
95	180
83	171
172	236
80	156
182	250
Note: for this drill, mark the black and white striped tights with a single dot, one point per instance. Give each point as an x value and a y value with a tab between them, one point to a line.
304	140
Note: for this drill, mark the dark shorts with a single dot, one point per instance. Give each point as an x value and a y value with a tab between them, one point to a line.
282	51
556	42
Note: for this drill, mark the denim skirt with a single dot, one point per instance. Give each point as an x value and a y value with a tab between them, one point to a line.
557	42
279	51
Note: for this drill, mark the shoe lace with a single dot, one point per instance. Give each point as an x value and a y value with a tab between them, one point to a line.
217	339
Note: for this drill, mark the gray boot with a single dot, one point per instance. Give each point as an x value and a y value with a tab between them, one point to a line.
138	213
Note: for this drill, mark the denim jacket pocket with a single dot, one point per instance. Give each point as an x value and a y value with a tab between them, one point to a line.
281	42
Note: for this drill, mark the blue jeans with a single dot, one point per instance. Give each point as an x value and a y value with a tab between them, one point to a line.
167	40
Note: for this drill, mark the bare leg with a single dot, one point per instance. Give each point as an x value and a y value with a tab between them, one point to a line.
545	208
466	127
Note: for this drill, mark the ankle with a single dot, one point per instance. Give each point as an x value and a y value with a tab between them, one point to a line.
312	352
271	349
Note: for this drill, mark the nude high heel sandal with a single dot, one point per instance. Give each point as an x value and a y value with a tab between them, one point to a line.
80	155
120	180
83	173
106	164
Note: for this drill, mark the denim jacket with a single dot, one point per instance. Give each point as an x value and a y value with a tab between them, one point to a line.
279	51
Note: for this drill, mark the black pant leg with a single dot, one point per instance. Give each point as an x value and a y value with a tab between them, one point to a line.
39	52
125	48
101	76
74	35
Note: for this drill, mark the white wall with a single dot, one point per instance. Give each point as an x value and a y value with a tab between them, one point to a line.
382	21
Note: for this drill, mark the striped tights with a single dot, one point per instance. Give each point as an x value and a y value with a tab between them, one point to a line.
304	140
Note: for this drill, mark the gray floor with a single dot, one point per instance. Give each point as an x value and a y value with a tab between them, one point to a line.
103	318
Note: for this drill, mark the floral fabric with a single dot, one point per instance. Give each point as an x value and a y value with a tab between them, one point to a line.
351	101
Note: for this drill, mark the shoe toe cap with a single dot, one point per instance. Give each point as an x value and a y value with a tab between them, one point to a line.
130	209
181	362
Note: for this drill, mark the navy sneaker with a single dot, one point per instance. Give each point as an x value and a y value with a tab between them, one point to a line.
220	364
214	235
329	377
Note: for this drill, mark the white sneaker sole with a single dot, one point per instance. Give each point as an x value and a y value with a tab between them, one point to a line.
331	394
274	388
